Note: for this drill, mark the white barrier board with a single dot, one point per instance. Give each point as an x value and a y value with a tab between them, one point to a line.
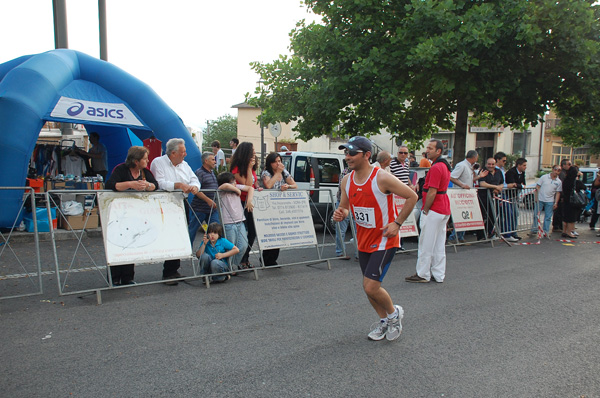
141	227
409	226
283	219
464	207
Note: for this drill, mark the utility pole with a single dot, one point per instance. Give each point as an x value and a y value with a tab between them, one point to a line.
102	29
61	40
59	9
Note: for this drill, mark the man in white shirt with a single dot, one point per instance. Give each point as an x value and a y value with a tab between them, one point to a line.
462	177
219	154
548	189
171	173
233	144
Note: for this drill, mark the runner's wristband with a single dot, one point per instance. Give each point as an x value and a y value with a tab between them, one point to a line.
399	225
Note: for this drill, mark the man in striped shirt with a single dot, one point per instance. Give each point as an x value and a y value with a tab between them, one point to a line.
400	166
400	169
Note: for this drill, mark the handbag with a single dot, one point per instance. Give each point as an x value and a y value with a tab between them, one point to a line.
579	198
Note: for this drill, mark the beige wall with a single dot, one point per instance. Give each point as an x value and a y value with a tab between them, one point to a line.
249	130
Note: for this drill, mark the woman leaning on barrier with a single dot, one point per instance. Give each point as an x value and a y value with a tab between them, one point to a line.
275	176
131	175
243	167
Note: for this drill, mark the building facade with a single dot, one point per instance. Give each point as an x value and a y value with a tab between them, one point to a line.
554	149
536	144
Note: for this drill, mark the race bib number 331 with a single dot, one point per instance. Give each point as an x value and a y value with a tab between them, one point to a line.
365	216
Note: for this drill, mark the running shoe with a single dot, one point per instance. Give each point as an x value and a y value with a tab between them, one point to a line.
379	330
394	327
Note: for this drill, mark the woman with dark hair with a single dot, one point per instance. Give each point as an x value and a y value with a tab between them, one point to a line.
131	175
275	176
243	167
570	210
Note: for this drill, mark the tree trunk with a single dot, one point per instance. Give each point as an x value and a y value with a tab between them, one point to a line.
460	131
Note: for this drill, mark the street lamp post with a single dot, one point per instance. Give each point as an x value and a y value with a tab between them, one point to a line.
262	132
262	144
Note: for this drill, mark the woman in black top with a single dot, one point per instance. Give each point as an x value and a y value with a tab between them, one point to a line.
131	175
570	211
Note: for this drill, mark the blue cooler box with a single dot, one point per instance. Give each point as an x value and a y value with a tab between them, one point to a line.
41	214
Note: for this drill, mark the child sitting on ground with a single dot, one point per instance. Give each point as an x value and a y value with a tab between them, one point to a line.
213	253
232	213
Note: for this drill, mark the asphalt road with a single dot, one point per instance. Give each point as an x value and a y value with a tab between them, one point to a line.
517	321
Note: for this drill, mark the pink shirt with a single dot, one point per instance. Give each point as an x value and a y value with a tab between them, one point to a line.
231	208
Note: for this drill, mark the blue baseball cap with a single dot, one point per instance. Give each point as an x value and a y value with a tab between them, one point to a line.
358	143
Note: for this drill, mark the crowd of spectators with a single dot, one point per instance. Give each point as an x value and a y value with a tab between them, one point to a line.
498	190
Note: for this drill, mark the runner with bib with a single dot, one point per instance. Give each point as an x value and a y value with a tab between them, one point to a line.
368	192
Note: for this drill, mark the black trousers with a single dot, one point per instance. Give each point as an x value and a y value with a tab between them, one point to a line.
487	214
270	256
251	233
557	218
595	215
122	273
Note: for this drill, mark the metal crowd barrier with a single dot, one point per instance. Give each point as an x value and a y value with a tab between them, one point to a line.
510	211
20	264
323	248
80	262
81	267
515	210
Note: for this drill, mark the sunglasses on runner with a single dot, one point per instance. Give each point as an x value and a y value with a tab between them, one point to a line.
352	152
403	153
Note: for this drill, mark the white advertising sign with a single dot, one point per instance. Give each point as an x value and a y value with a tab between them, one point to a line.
409	226
283	219
142	227
70	108
464	207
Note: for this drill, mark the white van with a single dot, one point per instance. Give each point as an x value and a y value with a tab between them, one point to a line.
319	172
588	175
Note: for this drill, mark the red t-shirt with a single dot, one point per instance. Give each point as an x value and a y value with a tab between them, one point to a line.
438	177
244	193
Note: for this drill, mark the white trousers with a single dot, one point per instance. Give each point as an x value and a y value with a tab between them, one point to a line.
432	246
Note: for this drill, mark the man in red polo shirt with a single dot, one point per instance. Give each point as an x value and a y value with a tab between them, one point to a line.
431	263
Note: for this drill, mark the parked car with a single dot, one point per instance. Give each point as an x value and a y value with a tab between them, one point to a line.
319	173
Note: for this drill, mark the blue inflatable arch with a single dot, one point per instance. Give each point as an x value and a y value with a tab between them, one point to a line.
69	86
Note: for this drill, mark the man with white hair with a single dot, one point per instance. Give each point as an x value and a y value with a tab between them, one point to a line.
463	177
384	159
172	172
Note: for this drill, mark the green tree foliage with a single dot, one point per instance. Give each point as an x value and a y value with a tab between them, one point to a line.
413	66
581	131
223	129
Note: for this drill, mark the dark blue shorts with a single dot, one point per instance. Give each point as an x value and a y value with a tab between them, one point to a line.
375	265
